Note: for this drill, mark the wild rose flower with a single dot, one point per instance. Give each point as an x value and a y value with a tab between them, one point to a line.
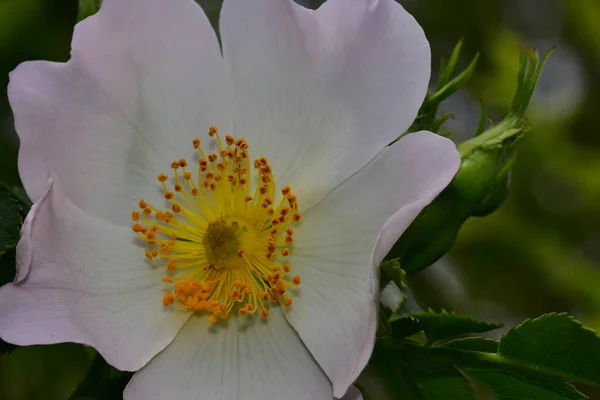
251	271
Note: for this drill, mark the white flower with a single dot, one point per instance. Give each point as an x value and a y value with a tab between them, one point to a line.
319	94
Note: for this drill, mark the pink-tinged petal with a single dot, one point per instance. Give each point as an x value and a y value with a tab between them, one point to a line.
145	78
87	283
25	245
340	242
233	360
320	93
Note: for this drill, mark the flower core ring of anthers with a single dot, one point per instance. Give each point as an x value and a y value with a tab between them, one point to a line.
224	241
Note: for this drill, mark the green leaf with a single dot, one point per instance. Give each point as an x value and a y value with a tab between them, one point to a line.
411	375
459	81
447	69
391	271
404	325
10	219
556	344
42	372
510	383
437	380
537	359
481	344
88	8
445	325
429	366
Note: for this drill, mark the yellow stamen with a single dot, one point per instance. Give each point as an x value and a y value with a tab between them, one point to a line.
226	236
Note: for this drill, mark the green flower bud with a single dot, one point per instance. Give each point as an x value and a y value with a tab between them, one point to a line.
481	184
483	177
433	233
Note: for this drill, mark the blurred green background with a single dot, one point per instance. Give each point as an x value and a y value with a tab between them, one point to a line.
540	252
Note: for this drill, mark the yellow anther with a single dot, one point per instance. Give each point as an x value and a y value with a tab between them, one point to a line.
148	255
187	175
182	162
229	140
176	208
169	195
289	231
296	280
175	164
194	191
286	190
248	199
167	279
147	211
289	239
196	143
142	204
287	268
240	253
212	319
162	178
178	187
288	301
296	217
212	157
154	253
212	131
264	312
168	298
135	216
171	265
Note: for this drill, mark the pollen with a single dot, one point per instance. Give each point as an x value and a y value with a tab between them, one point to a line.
225	235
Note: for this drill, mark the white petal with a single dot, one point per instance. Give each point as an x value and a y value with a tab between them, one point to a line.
263	360
145	78
25	245
320	93
341	241
87	283
391	296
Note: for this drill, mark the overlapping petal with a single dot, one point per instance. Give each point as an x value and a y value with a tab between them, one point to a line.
341	241
87	283
320	93
145	78
257	361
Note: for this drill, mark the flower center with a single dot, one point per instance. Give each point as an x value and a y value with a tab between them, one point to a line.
221	243
224	241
